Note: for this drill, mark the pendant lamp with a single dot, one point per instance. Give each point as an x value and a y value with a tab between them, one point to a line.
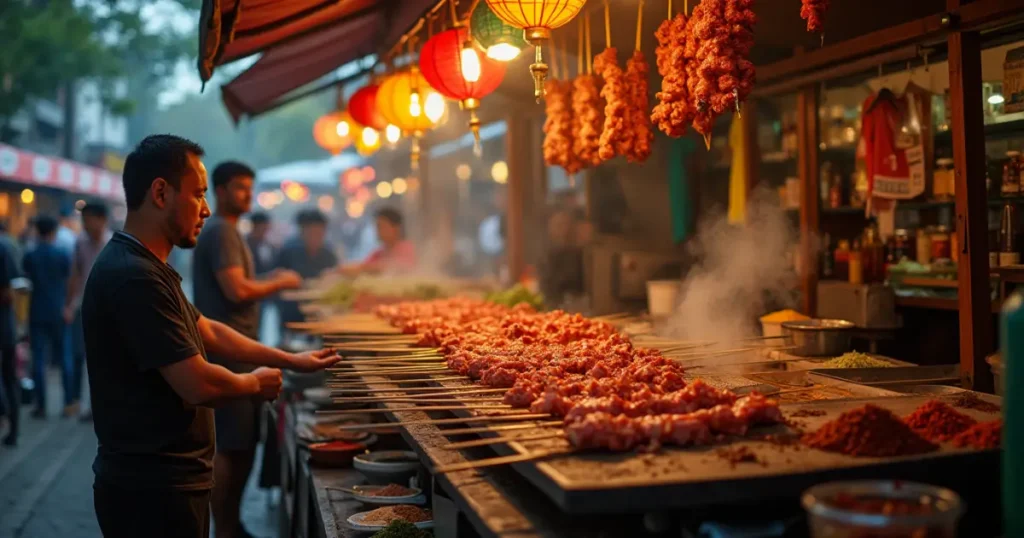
499	40
537	18
407	101
363	107
333	132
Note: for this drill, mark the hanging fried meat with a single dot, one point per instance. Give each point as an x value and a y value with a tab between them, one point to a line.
640	135
558	124
675	109
813	11
723	32
615	135
587	110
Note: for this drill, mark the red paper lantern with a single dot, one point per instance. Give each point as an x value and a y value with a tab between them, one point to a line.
459	71
326	132
363	107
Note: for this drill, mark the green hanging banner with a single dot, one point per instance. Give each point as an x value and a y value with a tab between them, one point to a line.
679	191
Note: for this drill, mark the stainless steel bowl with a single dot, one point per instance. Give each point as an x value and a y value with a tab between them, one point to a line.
818	337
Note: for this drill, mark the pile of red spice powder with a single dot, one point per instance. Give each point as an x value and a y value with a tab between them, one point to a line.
983	435
938	422
869	431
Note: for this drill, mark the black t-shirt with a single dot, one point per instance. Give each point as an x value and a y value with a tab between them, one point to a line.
137	320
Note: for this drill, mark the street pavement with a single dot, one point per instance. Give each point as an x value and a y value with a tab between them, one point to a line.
46	481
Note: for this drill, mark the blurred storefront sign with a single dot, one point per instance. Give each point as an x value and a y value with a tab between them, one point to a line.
31	169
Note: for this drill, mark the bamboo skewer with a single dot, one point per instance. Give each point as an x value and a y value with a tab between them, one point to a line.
500	440
443	421
397	357
502	460
415	408
469	389
486	429
742	363
413	359
698	355
400	400
362	383
387	371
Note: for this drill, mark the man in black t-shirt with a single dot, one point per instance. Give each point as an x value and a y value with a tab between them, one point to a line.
146	347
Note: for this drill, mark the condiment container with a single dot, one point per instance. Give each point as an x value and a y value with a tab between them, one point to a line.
1011	174
662	297
1008	254
856	266
924	247
940	244
1011	345
882	509
842	260
819	337
942	179
901	246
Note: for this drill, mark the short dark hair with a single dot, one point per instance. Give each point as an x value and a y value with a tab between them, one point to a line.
259	217
391	215
310	216
228	170
45	224
156	156
93	209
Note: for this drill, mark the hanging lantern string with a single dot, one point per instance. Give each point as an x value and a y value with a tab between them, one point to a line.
686	7
455	17
554	58
579	50
639	22
607	26
669	9
590	60
565	59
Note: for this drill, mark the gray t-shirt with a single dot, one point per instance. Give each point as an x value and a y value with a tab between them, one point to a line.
221	246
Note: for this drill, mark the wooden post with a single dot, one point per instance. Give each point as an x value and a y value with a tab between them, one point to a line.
518	155
807	133
975	303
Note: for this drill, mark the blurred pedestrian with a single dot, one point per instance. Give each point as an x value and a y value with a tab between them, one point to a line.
263	250
9	386
307	254
396	253
48	267
225	289
95	235
152	387
65	234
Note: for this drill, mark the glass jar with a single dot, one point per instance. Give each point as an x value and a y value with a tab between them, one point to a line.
902	247
941	247
882	509
943	179
1011	175
923	251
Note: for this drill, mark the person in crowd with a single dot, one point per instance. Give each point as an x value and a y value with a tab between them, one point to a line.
48	267
153	388
561	268
65	234
10	398
396	254
225	289
307	254
263	251
95	235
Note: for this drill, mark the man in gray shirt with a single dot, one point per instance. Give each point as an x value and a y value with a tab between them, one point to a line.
226	289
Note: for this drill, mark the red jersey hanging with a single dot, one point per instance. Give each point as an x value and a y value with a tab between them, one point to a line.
892	149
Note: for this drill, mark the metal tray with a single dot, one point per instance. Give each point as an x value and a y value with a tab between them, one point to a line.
698	477
911	375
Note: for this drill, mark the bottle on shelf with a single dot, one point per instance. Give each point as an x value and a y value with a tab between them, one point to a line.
827	261
924	247
942	180
940	244
1008	254
856	267
1011	175
835	192
842	260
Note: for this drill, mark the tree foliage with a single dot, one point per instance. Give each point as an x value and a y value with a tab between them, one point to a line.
47	43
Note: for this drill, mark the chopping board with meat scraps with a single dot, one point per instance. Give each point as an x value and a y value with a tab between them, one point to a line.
768	462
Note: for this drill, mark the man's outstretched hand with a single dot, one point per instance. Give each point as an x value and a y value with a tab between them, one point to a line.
312	361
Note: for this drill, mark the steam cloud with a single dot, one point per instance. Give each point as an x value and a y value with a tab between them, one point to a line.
738	271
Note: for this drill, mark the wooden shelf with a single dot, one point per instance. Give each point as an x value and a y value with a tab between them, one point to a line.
938	303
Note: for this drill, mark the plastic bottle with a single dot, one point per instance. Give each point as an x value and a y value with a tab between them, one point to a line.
1012	345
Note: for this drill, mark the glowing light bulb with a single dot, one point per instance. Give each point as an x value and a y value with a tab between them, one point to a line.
414	105
392	133
370	137
503	52
470	63
434	107
355	208
384	189
996	99
343	128
27	196
499	172
398	185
